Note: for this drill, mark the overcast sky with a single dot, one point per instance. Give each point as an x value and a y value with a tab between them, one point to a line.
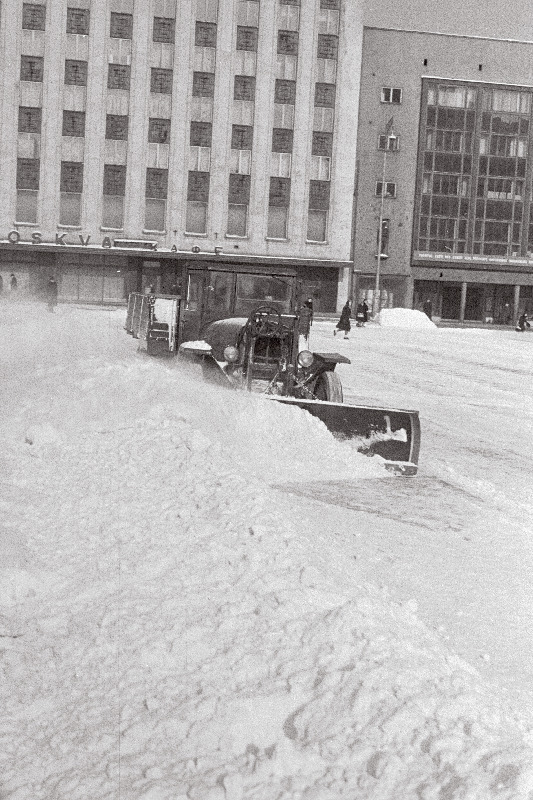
507	20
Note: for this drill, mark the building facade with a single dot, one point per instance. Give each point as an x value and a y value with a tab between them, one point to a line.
138	133
446	136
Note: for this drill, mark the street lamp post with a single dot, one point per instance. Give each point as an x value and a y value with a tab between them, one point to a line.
389	142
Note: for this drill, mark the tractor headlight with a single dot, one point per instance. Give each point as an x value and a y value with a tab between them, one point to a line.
231	354
305	358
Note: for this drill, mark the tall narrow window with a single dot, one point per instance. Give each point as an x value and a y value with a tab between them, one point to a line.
33	17
118	76
278	207
78	21
238	201
75	72
71	185
73	123
29	119
27	189
197	199
31	68
164	30
156	196
121	26
318	211
113	199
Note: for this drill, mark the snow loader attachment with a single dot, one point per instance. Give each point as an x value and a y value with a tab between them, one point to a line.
262	353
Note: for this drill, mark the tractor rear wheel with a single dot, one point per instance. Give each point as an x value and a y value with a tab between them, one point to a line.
329	387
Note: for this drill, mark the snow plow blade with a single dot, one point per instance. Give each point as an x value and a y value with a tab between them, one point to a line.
393	434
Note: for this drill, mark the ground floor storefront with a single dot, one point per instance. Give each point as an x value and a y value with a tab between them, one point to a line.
108	275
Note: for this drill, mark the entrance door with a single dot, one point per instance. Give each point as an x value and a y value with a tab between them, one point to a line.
474	302
451	302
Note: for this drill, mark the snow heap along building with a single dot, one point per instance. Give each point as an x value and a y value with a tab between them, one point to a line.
137	133
457	221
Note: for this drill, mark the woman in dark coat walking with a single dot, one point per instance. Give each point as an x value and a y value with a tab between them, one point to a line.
51	293
344	322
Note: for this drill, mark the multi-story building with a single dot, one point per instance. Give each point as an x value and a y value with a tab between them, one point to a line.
136	134
456	173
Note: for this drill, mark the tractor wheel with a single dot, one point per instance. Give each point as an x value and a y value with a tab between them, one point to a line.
329	387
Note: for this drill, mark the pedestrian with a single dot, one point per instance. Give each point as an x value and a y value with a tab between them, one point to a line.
51	293
428	308
13	282
365	310
306	319
360	315
522	322
344	322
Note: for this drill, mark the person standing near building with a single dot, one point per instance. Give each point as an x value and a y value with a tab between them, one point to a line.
51	293
344	322
522	322
13	282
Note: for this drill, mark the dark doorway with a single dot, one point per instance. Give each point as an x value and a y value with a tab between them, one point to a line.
451	302
474	303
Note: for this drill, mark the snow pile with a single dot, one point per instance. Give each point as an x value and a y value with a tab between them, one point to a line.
176	634
403	318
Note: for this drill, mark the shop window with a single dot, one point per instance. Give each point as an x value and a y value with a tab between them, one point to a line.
390	189
33	17
161	80
328	46
247	38
71	186
288	43
75	73
73	123
282	140
159	130
244	87
285	91
31	68
121	26
78	20
203	84
325	95
164	30
205	34
116	126
390	95
201	134
241	137
113	196
29	119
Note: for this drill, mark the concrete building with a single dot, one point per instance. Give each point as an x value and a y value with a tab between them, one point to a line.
138	133
457	213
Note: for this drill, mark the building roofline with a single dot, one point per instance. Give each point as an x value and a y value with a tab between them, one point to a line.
449	35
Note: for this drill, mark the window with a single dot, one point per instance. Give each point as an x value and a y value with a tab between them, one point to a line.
116	126
118	76
334	4
113	200
205	34
201	133
71	186
244	87
29	119
75	73
156	183
241	137
387	142
289	2
247	38
121	26
78	21
31	68
238	201
161	80
285	92
33	17
197	199
328	46
203	84
159	130
389	95
164	30
288	43
278	202
155	193
282	139
73	123
325	95
27	189
390	189
322	144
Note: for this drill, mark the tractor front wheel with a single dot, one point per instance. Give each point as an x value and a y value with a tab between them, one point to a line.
329	387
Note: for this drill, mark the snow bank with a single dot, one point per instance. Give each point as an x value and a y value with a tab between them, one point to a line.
176	635
404	318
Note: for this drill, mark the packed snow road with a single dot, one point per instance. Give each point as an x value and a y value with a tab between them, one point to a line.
212	600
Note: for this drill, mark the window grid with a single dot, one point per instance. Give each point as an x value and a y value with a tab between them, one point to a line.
390	189
390	95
